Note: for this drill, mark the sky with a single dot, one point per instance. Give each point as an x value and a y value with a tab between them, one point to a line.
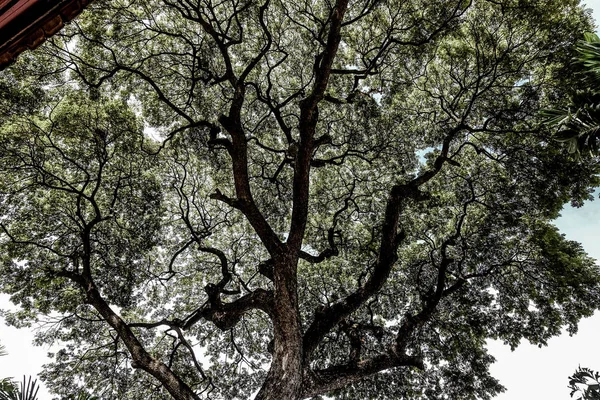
542	373
528	372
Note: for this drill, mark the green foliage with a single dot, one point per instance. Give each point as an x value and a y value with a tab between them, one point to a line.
25	390
578	123
585	383
218	196
81	396
7	388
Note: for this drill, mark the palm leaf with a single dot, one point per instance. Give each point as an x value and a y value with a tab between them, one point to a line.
27	390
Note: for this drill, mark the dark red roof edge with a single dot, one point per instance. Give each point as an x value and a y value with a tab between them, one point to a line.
25	24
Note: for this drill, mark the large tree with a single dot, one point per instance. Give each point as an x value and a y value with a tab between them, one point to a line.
215	199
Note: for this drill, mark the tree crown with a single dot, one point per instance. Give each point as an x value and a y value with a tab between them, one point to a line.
210	199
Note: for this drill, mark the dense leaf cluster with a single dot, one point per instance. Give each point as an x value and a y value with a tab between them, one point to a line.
294	199
577	121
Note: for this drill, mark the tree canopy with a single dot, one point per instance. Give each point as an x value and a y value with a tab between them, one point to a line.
204	199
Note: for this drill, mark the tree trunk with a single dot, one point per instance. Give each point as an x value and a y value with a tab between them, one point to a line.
284	380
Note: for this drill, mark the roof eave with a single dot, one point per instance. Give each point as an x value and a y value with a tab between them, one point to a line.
27	23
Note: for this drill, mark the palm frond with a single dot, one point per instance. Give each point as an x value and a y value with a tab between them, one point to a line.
27	390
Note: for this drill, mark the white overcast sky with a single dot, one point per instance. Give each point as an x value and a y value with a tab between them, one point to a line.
528	373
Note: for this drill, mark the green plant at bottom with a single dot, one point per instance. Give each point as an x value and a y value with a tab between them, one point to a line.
26	390
10	390
585	383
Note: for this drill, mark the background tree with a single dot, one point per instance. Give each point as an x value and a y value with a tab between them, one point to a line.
585	384
578	121
215	199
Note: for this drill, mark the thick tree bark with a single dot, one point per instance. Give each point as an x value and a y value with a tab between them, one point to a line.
288	367
284	380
